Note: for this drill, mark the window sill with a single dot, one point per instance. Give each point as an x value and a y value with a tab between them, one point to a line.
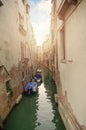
63	61
70	61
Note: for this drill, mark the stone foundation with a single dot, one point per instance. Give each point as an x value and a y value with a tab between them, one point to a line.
67	115
7	101
16	82
65	109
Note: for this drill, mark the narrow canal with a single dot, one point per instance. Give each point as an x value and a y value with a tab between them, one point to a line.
38	111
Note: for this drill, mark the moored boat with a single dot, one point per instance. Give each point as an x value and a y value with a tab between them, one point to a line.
38	77
31	87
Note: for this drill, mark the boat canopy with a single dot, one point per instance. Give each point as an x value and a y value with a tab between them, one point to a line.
38	75
30	85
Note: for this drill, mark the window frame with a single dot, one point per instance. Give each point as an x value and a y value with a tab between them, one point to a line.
62	37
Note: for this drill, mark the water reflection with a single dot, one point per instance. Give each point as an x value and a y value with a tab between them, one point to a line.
45	112
37	112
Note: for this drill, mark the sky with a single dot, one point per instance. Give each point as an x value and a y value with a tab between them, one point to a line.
40	11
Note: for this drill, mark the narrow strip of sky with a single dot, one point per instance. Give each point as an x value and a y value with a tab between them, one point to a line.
40	17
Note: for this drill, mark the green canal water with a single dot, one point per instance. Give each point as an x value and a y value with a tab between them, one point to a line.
38	111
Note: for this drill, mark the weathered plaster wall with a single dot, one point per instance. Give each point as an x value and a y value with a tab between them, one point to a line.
73	72
16	55
8	34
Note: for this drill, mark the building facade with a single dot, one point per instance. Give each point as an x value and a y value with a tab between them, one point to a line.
69	37
46	52
17	52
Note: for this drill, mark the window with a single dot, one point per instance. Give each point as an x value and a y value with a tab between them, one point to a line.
7	84
22	51
27	8
21	19
26	72
1	3
23	1
22	28
23	75
62	39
